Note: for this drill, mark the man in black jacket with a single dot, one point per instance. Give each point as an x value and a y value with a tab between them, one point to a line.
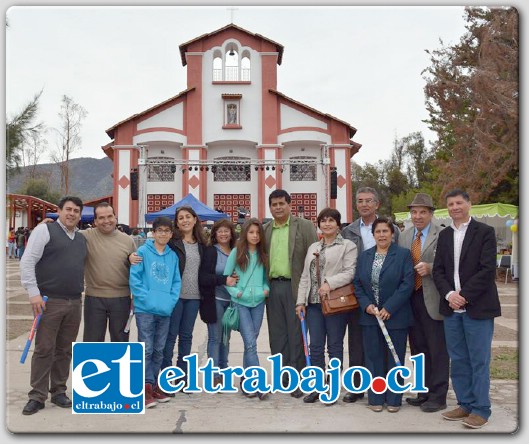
464	273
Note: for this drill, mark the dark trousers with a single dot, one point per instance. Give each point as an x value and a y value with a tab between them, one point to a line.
379	360
323	330
284	327
50	364
98	311
427	336
355	342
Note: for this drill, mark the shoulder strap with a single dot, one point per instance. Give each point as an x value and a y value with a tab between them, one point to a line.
318	278
251	274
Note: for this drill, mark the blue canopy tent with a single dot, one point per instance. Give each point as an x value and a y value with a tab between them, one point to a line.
87	215
203	211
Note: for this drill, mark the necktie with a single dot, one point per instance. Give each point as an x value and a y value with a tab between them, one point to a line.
416	256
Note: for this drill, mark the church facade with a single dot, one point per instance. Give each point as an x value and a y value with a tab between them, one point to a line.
231	138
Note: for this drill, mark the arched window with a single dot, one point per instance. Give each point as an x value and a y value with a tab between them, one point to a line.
160	172
303	172
217	68
227	172
232	65
245	68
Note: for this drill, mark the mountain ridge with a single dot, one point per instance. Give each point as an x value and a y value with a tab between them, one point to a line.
90	178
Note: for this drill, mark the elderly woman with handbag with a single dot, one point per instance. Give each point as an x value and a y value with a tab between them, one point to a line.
384	283
329	264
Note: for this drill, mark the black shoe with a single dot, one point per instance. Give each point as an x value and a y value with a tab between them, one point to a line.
416	402
430	407
217	381
297	393
244	392
311	397
32	407
62	401
262	396
352	397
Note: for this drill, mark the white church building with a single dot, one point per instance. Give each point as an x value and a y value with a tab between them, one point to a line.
231	138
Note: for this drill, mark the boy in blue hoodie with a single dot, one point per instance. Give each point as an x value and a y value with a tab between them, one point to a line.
155	284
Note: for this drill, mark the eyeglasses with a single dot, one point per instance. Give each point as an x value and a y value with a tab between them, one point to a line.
162	231
365	201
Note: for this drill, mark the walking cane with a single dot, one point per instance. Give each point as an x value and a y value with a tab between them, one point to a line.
32	332
127	326
305	342
387	337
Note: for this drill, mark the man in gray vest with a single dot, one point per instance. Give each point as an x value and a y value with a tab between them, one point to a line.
427	334
53	266
359	231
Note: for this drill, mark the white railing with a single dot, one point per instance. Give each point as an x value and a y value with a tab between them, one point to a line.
217	75
232	74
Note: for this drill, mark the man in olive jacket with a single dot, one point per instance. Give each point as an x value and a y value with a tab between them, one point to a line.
287	241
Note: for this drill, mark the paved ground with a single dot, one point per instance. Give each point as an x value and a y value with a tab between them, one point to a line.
233	413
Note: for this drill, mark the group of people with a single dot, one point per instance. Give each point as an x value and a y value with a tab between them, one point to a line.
434	287
16	242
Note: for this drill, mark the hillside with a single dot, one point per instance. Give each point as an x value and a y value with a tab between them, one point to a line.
89	178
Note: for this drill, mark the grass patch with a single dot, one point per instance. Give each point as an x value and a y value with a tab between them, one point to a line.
504	364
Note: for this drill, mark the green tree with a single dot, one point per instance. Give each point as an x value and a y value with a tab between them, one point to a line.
21	129
409	170
40	187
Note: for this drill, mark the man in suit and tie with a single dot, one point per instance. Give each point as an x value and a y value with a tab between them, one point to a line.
427	333
464	273
287	241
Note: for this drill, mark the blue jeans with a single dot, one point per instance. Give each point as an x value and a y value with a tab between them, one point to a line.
250	322
469	343
11	249
181	325
330	329
216	348
152	330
